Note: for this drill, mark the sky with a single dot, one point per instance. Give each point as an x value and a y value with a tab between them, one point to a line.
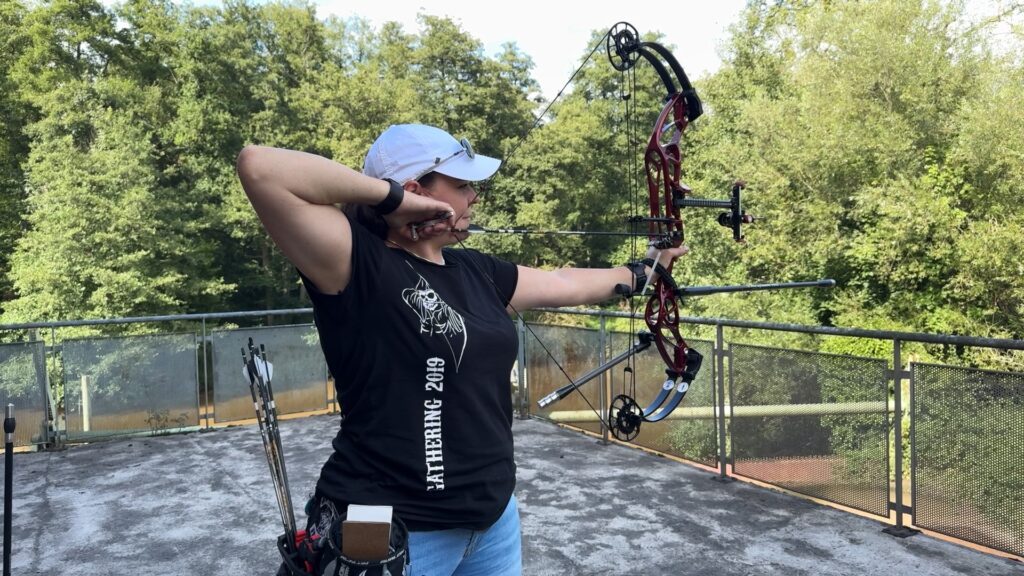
555	33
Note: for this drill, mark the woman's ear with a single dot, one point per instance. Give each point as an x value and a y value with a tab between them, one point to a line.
414	187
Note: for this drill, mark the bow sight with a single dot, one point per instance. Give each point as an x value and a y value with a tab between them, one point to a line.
732	219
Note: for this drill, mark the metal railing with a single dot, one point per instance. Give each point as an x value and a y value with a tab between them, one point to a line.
939	442
85	380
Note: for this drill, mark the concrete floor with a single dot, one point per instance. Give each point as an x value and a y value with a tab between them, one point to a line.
203	504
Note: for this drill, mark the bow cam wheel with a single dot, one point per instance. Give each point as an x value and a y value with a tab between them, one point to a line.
623	40
624	418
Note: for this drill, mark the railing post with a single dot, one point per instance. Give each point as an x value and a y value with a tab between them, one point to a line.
913	444
523	398
60	428
899	530
86	405
206	380
603	381
200	348
723	457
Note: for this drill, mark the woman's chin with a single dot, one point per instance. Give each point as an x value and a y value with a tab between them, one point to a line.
461	230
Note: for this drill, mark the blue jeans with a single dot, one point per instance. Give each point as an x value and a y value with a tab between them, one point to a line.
496	551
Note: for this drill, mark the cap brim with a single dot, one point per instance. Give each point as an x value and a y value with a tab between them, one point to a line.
473	169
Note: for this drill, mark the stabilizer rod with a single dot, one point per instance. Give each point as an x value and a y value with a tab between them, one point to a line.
706	290
645	340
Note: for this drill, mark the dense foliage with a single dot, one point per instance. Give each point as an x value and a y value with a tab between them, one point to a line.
883	145
122	127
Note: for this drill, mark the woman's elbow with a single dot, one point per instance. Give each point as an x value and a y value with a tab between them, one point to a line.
246	162
249	165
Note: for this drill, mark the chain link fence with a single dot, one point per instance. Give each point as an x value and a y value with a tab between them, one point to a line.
23	383
812	423
115	386
300	374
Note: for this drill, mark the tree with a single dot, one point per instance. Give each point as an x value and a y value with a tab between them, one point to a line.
99	219
14	114
868	120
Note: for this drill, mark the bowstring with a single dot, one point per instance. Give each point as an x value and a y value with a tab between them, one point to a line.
537	120
635	170
627	82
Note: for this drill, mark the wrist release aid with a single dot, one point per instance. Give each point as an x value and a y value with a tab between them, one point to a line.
396	193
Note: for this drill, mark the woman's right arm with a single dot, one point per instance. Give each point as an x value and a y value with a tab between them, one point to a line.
294	194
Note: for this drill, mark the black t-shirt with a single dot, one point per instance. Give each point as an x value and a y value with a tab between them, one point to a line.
421	354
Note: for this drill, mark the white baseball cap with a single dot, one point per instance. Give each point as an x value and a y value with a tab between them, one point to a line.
408	151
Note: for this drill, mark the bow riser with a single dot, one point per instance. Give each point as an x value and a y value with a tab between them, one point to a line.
662	318
663	170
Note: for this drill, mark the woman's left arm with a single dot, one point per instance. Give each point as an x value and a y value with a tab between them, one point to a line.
576	286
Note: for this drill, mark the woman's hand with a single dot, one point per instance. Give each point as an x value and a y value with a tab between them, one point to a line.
419	217
663	258
668	255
